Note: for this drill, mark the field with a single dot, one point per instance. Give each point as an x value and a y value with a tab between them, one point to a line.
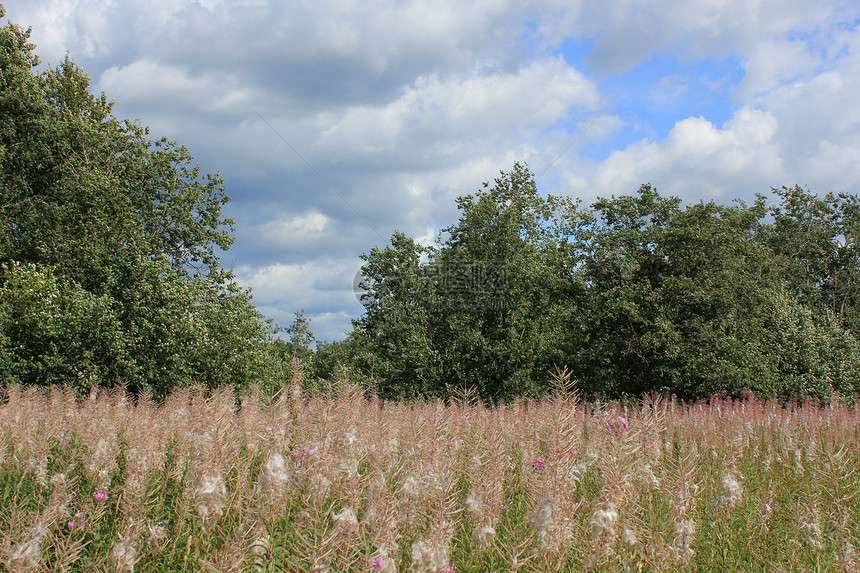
342	482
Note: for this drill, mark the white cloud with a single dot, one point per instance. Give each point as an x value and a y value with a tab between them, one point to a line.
144	82
447	117
295	232
699	159
772	63
400	106
322	288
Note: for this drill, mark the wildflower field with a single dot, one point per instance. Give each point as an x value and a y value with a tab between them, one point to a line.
342	482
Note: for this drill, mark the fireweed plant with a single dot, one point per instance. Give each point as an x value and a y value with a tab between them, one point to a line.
342	482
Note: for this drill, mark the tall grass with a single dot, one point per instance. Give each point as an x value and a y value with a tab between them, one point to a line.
343	482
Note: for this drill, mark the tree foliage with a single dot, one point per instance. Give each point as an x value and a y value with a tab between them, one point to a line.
635	294
108	245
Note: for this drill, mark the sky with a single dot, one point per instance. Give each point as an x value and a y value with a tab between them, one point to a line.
336	123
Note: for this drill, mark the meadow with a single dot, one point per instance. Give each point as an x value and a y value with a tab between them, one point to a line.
339	481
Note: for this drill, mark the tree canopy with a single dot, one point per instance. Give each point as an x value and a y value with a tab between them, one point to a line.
634	294
108	245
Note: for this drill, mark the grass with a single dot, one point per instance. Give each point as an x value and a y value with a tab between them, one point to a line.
348	483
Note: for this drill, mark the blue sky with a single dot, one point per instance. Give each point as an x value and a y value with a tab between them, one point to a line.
335	123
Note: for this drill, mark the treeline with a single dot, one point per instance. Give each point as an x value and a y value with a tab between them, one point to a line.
109	274
632	294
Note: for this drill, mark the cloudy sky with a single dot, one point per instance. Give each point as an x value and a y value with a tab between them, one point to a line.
338	122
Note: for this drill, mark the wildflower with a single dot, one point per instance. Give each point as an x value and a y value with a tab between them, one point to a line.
646	475
431	419
319	485
26	555
809	524
628	536
411	487
473	504
576	472
618	425
431	554
100	496
259	549
538	464
300	455
296	361
485	536
684	532
156	532
346	520
551	527
275	476
76	523
732	490
381	560
123	556
604	521
428	557
210	496
848	557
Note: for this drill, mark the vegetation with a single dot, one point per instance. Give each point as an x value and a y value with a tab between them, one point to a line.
342	482
109	275
108	242
635	294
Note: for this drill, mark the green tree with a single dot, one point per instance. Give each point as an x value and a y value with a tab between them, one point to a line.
691	301
816	245
499	329
396	324
486	309
96	212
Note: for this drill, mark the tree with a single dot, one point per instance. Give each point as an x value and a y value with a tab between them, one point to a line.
396	324
483	311
692	301
816	244
636	294
101	216
499	328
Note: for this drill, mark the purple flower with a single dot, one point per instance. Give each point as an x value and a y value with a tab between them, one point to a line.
376	562
537	465
100	496
618	425
299	455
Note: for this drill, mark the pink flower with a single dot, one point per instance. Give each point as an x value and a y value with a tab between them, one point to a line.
537	465
618	425
100	496
295	360
299	455
431	419
376	563
76	523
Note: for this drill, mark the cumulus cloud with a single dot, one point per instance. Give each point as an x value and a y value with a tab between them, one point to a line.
699	159
144	83
335	123
445	118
